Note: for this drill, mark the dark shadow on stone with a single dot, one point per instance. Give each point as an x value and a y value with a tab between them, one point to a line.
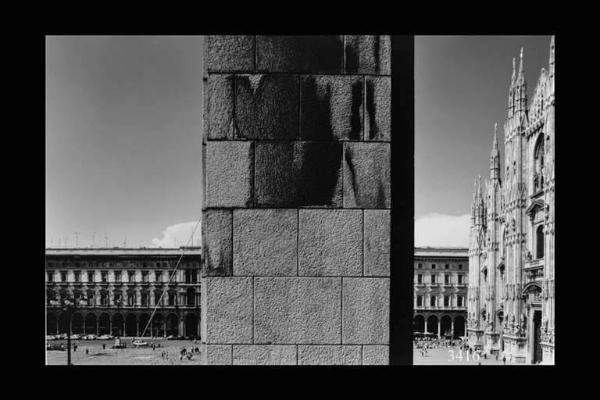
357	102
371	109
351	169
376	46
316	112
319	173
352	60
275	179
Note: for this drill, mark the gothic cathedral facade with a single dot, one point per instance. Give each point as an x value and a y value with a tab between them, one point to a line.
511	251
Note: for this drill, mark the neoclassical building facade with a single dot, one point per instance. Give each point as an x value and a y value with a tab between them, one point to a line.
511	253
115	291
440	291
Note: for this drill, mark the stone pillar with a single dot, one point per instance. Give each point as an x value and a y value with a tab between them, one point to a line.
296	214
425	329
452	327
439	328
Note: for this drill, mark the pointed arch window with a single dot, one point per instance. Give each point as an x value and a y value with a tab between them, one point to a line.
538	167
539	239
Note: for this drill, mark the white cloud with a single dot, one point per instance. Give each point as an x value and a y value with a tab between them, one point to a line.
440	230
179	235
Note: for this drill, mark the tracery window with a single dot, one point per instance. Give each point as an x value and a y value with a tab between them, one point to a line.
538	172
539	239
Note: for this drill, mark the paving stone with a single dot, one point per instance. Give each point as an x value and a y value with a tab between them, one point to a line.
230	53
297	310
367	175
329	355
265	242
216	354
365	310
378	108
229	170
264	355
298	174
219	107
330	242
266	106
367	54
309	53
331	107
377	243
217	232
376	355
228	310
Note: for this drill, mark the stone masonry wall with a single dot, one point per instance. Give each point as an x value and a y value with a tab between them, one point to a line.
296	213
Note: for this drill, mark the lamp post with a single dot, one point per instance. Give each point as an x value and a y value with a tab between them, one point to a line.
67	306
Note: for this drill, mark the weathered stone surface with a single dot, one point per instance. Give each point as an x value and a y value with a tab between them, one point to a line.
368	54
230	53
367	175
297	310
377	243
330	242
229	168
316	54
329	355
375	355
298	174
265	242
378	108
331	107
365	310
228	310
219	107
216	354
266	106
264	355
217	231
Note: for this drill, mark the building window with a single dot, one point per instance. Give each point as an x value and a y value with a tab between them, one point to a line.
77	276
432	279
539	239
104	299
145	299
90	276
538	174
459	301
172	299
446	279
158	276
145	276
49	276
104	276
131	299
447	266
420	265
446	301
419	278
118	277
432	301
131	276
117	298
459	266
432	266
460	279
419	301
63	276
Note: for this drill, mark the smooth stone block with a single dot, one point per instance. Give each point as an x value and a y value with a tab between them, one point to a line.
229	170
377	242
230	53
228	314
365	310
329	355
367	175
216	354
376	355
265	242
378	123
264	355
367	54
297	310
217	247
332	107
219	107
330	242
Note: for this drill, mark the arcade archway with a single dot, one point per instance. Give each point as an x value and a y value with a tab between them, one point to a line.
117	325
191	325
104	324
51	324
130	325
459	326
432	324
418	323
172	325
77	323
90	324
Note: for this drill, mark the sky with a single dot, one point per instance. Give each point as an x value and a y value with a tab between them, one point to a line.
123	134
123	140
461	89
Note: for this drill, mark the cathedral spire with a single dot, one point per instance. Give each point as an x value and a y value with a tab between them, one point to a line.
495	157
551	61
520	98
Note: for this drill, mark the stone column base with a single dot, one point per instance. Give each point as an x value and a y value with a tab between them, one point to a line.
515	349
491	343
475	339
547	354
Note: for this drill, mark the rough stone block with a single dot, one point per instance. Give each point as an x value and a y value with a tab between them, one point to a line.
228	310
367	175
329	355
330	242
297	310
265	242
376	355
368	54
298	174
216	354
365	310
219	107
266	106
264	355
378	123
331	107
216	232
316	54
230	53
377	243
229	169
